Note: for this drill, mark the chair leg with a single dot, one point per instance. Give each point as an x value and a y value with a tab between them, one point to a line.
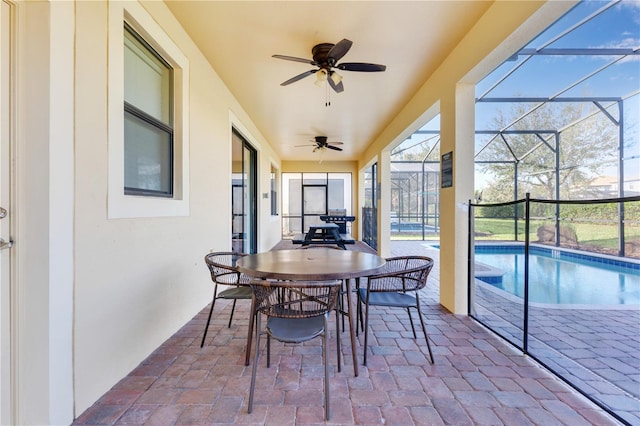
352	336
344	287
206	328
411	321
359	309
366	329
325	356
424	330
358	314
255	366
340	308
250	332
339	355
268	350
233	308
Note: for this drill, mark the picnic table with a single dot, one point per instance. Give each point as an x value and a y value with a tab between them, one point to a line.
327	233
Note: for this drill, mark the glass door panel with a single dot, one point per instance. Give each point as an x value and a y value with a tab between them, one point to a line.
243	196
250	220
307	196
314	204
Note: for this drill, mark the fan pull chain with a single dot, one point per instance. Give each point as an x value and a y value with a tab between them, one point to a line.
327	95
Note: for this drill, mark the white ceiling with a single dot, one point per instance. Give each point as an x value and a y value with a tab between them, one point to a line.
239	38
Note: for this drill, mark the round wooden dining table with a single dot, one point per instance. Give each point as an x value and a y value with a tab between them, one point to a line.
312	265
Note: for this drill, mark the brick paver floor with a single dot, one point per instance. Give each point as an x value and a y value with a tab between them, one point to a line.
476	379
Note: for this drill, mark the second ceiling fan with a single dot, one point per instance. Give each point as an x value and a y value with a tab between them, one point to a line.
321	143
325	58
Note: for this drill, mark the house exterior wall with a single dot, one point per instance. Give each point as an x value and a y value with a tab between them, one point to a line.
97	294
138	280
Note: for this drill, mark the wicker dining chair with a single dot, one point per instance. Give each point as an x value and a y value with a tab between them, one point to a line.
222	266
296	311
396	286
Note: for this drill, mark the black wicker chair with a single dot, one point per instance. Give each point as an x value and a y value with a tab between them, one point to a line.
296	311
222	266
396	286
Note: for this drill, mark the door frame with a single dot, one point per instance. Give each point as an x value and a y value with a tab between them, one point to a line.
326	202
8	380
250	193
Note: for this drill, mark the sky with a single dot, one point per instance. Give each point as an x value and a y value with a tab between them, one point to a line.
549	76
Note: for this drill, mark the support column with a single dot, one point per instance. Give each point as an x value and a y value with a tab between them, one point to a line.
457	123
384	203
45	213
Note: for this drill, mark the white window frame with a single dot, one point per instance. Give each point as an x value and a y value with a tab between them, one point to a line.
141	116
131	206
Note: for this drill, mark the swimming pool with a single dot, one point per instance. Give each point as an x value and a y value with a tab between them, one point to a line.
558	276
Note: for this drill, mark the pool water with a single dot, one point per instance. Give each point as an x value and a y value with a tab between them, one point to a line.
556	277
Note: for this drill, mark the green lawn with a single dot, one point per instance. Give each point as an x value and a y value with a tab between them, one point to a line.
595	235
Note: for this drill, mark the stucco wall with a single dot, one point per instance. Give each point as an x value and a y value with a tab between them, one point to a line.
138	280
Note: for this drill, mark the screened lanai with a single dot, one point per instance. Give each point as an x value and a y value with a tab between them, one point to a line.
558	120
556	188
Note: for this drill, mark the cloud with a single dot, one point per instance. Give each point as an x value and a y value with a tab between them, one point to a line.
634	9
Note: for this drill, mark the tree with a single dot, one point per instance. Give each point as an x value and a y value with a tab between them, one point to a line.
585	148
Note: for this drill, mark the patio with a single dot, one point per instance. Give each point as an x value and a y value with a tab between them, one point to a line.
476	378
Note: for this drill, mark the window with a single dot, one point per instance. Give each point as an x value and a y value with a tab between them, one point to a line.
307	196
148	119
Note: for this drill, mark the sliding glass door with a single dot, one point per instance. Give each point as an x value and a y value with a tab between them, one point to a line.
307	196
244	195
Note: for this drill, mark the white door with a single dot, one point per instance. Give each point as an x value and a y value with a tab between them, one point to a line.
6	50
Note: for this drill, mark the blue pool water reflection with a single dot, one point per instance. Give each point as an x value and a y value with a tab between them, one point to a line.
557	277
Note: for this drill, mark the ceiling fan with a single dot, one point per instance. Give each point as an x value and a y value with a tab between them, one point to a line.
320	144
325	58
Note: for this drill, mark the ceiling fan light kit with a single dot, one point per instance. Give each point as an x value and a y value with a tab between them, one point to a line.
337	78
321	77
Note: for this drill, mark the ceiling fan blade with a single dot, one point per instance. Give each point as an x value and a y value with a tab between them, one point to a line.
298	77
339	50
335	148
294	59
360	66
339	88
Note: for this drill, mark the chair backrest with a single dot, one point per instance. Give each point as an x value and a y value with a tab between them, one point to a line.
402	273
295	299
222	266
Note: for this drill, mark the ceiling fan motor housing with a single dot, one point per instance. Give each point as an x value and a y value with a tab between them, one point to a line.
320	54
321	140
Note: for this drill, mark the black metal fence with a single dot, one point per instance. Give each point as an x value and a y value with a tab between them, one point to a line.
370	226
560	280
